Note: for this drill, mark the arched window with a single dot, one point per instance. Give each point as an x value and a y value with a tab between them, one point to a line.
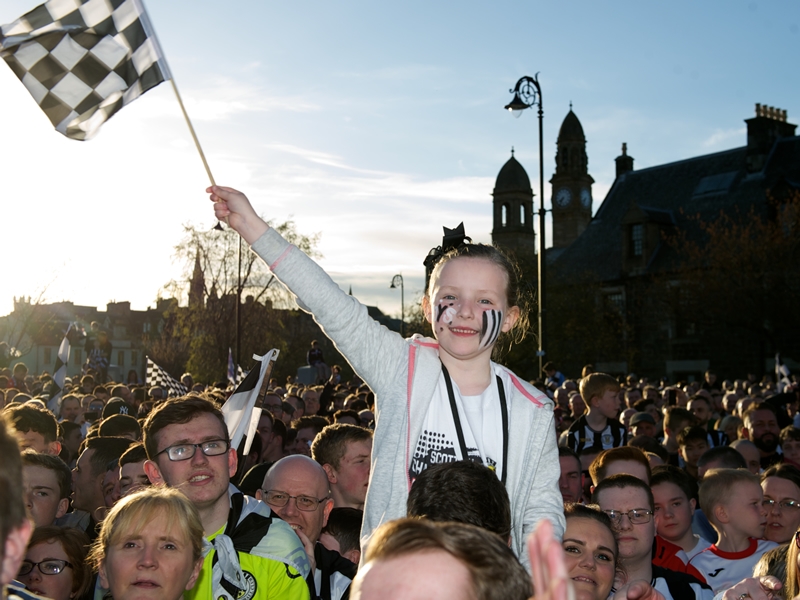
504	215
522	211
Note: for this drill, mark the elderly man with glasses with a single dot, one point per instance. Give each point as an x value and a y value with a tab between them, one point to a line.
255	555
297	488
628	501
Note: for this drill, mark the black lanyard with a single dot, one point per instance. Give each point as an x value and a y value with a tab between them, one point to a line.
457	420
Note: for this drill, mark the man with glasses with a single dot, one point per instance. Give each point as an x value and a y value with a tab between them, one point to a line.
255	555
628	501
297	488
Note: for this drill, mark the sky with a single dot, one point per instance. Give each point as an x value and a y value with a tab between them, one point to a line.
373	124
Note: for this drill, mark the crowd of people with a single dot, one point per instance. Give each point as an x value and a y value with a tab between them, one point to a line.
440	474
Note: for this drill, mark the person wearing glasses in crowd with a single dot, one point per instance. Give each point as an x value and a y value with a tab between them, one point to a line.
781	487
629	503
255	555
55	563
298	490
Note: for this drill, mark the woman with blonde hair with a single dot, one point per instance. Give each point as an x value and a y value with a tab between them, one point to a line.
150	546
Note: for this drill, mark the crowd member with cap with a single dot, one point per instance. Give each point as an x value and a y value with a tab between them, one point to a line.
643	423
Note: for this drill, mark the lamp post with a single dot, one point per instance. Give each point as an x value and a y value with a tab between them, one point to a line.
397	280
528	93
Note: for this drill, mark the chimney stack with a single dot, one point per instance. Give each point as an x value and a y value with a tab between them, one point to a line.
763	130
624	162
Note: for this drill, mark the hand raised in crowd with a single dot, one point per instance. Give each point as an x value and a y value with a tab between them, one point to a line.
549	569
234	206
637	590
754	588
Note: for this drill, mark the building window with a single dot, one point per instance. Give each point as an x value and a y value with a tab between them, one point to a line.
48	355
121	357
637	240
504	215
76	353
615	302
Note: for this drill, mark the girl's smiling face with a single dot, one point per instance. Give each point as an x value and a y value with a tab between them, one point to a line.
468	306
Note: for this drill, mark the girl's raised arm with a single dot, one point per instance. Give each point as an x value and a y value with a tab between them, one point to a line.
234	206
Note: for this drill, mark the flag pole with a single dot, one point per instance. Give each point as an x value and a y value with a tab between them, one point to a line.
150	30
191	130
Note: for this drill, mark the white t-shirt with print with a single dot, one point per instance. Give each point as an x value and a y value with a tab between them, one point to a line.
481	423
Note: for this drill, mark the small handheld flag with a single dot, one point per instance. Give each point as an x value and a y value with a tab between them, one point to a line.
157	376
60	373
239	410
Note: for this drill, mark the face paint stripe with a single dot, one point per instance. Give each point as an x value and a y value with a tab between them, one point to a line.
440	311
484	325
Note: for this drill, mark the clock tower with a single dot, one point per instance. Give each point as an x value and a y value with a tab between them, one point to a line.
572	185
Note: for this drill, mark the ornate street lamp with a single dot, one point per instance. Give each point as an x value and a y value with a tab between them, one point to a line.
397	280
528	93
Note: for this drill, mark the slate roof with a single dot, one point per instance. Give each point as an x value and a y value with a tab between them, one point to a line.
669	195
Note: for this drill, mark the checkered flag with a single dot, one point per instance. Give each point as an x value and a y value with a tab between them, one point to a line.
83	60
235	376
158	376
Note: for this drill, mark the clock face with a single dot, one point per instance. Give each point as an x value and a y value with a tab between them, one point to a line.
563	197
586	197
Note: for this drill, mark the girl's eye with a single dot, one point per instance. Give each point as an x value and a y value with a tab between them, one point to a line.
656	509
605	557
572	549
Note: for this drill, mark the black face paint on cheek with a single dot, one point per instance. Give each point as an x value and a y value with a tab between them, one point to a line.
442	310
490	328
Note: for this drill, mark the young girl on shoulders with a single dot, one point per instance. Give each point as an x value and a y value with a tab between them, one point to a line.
437	400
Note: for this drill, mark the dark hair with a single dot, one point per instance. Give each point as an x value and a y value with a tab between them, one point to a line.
75	544
676	417
784	471
728	458
759	406
695	433
177	411
677	476
118	425
495	573
315	422
134	454
66	427
53	463
790	433
330	445
29	417
515	295
567	451
647	444
106	450
344	524
339	414
12	506
622	481
464	492
701	398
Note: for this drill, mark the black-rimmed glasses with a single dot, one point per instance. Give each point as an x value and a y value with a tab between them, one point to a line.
636	516
48	566
187	451
281	499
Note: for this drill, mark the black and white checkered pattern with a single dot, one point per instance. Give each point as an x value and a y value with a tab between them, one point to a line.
83	60
158	376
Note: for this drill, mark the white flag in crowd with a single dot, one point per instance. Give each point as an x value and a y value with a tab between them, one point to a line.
240	416
782	373
158	376
83	60
59	373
